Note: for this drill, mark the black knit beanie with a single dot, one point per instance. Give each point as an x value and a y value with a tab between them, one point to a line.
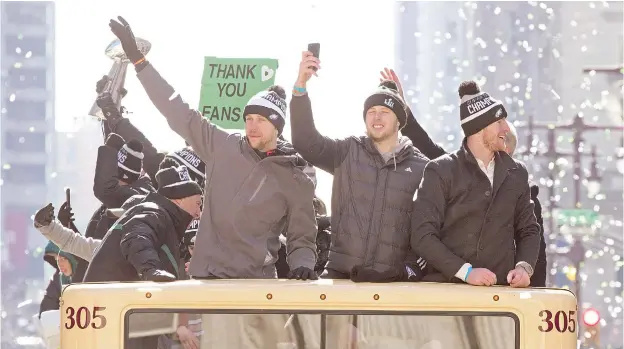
477	110
176	183
271	104
187	157
130	161
387	95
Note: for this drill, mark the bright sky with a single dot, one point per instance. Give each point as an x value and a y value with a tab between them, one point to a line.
357	41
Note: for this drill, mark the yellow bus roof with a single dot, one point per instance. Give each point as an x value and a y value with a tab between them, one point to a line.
319	294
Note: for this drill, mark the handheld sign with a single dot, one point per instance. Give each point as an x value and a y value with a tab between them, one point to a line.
229	83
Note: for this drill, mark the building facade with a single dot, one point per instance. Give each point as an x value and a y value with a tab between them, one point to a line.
27	129
532	55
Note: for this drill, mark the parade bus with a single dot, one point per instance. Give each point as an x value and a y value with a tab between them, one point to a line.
336	314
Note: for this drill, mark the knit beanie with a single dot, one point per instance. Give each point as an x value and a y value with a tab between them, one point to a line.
477	110
387	95
271	104
187	157
130	161
176	183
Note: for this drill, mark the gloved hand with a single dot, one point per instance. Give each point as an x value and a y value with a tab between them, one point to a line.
115	141
302	273
44	216
101	84
109	108
323	222
124	33
65	215
158	275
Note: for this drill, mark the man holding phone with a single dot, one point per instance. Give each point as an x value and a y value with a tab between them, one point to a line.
375	178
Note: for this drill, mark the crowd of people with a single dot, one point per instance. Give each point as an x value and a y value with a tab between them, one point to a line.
244	205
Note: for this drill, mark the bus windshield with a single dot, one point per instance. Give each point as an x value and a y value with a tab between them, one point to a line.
151	328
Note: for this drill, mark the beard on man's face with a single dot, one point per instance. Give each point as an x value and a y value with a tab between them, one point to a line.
493	141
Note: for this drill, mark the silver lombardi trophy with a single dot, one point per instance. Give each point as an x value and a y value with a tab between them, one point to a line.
117	73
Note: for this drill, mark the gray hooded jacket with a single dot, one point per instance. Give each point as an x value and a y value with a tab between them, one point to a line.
248	201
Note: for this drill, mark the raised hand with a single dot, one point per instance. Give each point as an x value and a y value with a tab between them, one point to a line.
101	85
44	216
306	68
65	215
389	74
124	33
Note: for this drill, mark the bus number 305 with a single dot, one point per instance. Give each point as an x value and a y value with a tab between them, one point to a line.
561	321
83	317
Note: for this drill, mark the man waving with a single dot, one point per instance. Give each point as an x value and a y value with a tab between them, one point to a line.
255	185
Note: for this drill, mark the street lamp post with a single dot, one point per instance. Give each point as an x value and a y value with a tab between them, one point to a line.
578	127
616	75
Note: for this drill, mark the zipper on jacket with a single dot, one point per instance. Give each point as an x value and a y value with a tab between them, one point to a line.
383	210
264	178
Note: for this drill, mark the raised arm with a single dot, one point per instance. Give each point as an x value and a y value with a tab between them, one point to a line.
200	133
323	152
152	158
106	186
419	137
203	136
69	241
413	130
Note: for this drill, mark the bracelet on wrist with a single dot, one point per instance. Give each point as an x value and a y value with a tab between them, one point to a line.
467	273
298	89
141	60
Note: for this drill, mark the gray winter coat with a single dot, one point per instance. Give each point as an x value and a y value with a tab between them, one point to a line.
248	201
371	198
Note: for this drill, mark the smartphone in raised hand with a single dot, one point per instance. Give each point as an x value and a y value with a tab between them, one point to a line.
67	196
315	49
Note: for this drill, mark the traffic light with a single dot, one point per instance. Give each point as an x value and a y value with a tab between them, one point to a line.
591	335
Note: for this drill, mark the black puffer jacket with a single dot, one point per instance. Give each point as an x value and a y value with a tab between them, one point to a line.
145	237
371	197
52	294
107	189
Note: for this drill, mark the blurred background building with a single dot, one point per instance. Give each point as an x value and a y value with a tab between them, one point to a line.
27	128
553	64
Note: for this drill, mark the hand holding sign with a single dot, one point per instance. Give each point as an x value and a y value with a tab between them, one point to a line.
307	68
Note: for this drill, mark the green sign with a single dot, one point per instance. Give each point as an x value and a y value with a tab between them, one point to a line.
577	217
229	83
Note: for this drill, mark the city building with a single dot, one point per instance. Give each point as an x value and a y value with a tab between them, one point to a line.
534	56
27	130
